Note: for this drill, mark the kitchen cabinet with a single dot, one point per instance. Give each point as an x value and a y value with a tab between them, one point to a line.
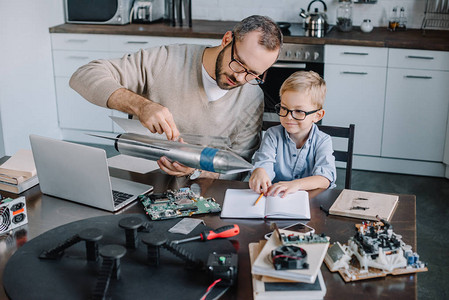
355	79
416	105
70	51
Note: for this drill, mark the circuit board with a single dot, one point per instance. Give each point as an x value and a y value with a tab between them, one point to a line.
177	204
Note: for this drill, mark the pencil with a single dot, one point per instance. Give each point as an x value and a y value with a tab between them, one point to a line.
260	196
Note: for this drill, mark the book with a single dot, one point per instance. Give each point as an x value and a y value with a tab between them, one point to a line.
315	256
20	164
364	205
12	179
239	203
269	288
21	187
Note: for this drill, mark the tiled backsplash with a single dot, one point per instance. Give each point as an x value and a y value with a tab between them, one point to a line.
288	10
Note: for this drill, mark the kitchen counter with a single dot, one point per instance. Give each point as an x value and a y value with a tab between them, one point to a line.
379	37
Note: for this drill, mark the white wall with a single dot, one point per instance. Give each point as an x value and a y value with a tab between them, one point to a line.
27	93
288	10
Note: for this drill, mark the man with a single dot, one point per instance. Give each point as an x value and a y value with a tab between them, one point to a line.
191	88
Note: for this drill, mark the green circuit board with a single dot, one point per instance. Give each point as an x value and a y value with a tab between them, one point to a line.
177	204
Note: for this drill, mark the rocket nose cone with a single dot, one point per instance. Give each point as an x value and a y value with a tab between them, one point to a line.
226	162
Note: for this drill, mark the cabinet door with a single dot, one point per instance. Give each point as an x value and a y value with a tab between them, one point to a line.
416	109
75	112
67	62
355	95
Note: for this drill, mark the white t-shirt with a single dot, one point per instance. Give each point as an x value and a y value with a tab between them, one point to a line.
213	91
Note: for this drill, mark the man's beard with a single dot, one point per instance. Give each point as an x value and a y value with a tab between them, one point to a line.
219	74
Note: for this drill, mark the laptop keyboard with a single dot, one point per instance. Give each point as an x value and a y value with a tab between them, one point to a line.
120	197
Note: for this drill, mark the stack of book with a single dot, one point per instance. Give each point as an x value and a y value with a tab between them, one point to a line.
269	283
18	173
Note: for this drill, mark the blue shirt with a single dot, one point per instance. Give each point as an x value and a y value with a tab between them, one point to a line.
281	159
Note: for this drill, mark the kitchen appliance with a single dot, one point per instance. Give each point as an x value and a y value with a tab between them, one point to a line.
147	11
315	23
98	11
292	58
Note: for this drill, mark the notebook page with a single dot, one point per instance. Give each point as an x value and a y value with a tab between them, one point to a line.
293	206
239	203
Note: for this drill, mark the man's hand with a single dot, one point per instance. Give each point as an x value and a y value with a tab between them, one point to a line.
259	181
152	115
174	168
158	118
284	187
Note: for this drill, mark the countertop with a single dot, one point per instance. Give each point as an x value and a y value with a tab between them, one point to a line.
379	37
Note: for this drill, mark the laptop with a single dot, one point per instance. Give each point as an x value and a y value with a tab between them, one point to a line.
80	173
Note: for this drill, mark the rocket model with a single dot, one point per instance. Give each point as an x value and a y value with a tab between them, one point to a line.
194	156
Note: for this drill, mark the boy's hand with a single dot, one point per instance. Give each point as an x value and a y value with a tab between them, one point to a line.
285	187
259	181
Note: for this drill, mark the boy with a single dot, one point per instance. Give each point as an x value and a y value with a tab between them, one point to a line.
296	155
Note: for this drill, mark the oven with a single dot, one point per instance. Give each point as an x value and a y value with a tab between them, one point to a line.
292	58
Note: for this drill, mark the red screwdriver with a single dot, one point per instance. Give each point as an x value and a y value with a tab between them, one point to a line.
219	233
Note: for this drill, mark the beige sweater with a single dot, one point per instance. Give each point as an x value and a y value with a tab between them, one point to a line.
171	75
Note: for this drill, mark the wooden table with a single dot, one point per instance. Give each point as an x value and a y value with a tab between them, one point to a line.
46	212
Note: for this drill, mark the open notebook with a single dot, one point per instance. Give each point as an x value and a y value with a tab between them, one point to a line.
239	203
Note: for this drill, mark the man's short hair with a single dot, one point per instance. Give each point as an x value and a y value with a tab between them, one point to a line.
309	82
271	37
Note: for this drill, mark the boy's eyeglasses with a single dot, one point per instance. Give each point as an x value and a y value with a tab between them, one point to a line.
238	67
297	114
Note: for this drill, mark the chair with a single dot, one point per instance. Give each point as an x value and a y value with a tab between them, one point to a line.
343	156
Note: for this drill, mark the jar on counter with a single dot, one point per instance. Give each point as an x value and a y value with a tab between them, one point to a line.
344	15
366	26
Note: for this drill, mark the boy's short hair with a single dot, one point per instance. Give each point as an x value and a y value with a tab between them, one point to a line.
306	81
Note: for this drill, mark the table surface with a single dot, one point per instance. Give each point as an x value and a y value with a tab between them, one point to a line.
46	212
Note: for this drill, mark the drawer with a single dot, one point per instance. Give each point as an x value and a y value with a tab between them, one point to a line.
84	42
358	56
418	59
67	62
129	44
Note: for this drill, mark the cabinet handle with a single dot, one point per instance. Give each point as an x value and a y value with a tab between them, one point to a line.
77	57
289	65
136	42
420	57
354	73
418	77
76	41
355	53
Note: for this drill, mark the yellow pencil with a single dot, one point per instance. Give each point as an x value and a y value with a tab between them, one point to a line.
260	196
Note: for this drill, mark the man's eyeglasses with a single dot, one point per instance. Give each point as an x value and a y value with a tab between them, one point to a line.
238	67
297	114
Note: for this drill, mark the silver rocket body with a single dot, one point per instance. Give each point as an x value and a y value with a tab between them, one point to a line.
194	156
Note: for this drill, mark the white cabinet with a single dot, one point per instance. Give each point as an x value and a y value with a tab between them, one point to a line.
416	105
355	79
70	51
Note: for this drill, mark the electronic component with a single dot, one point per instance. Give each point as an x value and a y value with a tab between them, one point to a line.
308	238
175	204
224	267
12	213
289	258
378	251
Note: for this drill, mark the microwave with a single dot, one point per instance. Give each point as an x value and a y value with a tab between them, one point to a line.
98	11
